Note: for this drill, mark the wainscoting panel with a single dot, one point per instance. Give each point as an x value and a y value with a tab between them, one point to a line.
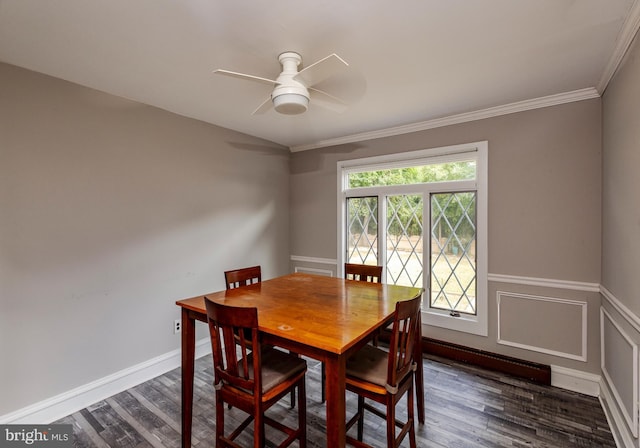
619	362
314	265
307	270
565	330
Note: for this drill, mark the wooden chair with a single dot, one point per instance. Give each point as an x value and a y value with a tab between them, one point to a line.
242	277
363	272
385	377
253	381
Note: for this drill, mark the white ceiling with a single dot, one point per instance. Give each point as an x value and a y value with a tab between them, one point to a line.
411	62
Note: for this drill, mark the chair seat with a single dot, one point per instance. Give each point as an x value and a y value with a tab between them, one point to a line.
385	377
252	377
277	366
369	364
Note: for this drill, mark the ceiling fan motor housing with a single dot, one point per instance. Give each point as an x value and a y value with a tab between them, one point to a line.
290	102
290	97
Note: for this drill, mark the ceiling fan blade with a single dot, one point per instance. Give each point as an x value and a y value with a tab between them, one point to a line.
321	70
264	107
245	76
323	99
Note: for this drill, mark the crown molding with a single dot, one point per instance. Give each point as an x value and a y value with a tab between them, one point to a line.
520	106
623	42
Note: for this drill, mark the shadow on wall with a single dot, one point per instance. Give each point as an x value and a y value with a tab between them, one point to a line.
82	179
315	159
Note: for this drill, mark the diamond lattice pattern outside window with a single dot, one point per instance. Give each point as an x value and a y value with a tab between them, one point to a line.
404	240
362	230
453	252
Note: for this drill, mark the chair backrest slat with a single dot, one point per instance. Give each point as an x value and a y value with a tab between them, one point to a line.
406	326
242	277
229	327
363	272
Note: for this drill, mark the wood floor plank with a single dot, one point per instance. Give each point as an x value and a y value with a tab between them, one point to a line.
135	424
173	423
466	407
85	436
117	432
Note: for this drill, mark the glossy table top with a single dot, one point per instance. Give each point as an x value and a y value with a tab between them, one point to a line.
328	313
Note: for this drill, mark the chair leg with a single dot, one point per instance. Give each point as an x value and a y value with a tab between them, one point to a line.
323	381
258	430
391	422
376	337
219	420
411	418
360	417
293	391
302	413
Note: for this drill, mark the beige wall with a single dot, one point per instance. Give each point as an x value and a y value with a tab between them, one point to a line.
544	213
109	205
110	211
621	183
621	245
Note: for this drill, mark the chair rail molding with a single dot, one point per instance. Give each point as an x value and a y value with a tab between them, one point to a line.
545	282
621	308
500	278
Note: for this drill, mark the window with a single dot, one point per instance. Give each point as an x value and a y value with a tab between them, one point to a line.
423	216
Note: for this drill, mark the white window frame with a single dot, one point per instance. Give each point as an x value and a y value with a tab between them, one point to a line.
477	324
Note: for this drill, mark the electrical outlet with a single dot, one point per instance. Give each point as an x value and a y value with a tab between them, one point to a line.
177	326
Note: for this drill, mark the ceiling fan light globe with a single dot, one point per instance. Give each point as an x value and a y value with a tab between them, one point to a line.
290	103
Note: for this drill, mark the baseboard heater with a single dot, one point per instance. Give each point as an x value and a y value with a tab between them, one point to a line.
538	373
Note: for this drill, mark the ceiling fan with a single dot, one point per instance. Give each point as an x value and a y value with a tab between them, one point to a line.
294	89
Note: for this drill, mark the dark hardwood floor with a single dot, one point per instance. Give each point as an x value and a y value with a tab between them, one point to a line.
465	407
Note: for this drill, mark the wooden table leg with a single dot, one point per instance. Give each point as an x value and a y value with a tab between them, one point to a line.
419	376
335	405
188	358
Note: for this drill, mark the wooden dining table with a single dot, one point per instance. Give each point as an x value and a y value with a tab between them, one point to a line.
325	318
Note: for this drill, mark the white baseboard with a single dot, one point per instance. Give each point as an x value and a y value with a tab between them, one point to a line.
621	433
66	403
575	380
